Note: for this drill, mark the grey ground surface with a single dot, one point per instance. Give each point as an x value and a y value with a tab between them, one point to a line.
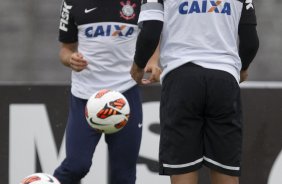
29	46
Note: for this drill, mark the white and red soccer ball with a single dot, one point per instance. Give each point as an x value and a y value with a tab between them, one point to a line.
40	178
107	111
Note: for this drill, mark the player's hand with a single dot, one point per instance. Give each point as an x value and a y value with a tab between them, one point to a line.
243	75
154	74
137	73
76	62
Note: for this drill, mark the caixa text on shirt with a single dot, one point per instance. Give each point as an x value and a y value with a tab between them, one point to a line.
109	30
189	7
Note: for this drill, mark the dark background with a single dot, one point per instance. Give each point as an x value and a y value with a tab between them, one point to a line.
262	127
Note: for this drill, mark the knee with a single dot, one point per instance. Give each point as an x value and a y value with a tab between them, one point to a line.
74	168
80	168
122	176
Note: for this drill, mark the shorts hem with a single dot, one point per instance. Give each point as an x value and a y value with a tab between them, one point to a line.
175	171
222	170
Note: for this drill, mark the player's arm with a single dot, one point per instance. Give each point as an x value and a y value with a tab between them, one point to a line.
71	58
147	42
146	45
153	68
68	37
151	23
248	44
248	47
248	38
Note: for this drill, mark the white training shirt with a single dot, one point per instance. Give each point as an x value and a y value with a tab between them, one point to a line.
204	32
106	32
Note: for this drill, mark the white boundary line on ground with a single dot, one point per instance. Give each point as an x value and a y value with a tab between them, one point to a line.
262	84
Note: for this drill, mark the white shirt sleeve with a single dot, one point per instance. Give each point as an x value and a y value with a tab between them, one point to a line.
151	11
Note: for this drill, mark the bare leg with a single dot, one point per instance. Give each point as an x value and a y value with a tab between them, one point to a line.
220	178
187	178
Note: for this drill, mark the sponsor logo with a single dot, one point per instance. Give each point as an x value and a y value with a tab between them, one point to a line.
65	14
249	4
109	30
92	122
111	109
50	180
127	11
190	7
89	10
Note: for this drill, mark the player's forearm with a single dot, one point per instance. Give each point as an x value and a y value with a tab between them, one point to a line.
248	44
147	42
65	53
65	57
155	58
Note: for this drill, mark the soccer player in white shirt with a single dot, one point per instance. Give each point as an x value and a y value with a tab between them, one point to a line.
206	47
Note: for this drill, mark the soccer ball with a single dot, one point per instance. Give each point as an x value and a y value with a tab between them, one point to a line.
40	178
107	111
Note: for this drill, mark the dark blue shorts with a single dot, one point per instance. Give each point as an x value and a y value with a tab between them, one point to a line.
201	121
81	141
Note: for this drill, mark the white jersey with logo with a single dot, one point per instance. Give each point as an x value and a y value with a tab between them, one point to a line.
106	33
204	32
